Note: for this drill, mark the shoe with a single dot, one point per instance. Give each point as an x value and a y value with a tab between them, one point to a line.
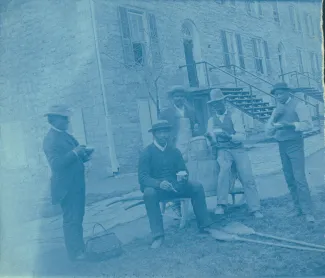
81	257
219	210
258	215
157	243
310	218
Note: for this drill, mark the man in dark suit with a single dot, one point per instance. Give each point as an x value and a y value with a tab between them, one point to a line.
162	176
66	159
178	109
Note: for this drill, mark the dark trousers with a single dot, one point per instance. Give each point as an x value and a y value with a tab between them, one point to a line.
293	164
152	198
73	207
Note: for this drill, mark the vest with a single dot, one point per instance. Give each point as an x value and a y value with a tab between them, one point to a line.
228	126
288	114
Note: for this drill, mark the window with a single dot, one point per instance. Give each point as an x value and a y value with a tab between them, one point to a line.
232	49
314	64
275	11
261	56
309	25
295	19
254	8
300	60
137	36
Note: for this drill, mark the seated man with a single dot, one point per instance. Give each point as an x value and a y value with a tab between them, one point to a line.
230	149
158	165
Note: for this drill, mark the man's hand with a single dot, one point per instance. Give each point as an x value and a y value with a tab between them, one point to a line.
165	185
283	125
224	135
80	151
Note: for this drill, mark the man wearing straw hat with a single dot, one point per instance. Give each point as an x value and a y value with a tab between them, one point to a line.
228	141
162	176
287	124
66	159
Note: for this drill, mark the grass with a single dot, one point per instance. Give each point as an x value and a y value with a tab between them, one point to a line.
188	254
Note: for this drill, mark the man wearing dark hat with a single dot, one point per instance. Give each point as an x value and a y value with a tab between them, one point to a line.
228	140
66	159
163	176
287	124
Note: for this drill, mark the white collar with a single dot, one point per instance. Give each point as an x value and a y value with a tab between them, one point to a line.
181	109
56	129
288	100
159	147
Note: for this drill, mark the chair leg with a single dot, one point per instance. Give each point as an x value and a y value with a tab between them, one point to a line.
184	211
233	197
162	207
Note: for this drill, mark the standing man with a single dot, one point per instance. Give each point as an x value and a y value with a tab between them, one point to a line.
287	124
175	115
228	140
160	165
66	159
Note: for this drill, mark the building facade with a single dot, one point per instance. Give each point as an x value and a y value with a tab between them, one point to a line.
112	62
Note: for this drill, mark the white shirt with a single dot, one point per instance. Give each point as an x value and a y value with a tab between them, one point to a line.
238	127
159	147
181	111
304	123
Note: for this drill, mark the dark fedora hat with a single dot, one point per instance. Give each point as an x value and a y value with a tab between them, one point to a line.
280	86
177	89
160	125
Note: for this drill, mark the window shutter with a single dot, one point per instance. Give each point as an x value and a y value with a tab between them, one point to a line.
301	65
259	7
225	49
292	17
267	58
240	51
298	22
255	54
307	24
311	26
248	6
126	37
154	40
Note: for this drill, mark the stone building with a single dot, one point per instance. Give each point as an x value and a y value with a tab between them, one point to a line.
112	62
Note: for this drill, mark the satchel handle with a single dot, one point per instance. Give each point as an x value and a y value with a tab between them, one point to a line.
100	225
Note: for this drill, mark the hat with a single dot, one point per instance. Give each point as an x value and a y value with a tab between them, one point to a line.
280	86
177	89
216	95
160	125
59	110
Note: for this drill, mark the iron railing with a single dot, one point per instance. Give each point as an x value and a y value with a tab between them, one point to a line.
209	67
297	73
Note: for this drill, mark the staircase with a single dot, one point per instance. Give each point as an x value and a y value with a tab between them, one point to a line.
249	104
311	92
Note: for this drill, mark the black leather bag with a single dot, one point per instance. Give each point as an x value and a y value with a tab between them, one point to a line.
103	246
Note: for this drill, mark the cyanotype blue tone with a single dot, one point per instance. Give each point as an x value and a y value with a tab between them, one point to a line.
161	138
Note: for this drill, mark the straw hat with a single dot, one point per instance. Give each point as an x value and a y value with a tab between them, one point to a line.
160	125
216	95
59	110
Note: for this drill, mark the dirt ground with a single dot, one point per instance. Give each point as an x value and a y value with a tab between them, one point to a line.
189	254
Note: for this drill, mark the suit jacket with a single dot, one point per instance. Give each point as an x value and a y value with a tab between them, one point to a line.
68	172
171	115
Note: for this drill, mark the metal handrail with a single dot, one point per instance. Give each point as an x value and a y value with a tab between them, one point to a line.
300	73
252	74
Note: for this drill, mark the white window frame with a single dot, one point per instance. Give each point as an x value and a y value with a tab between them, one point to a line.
144	41
254	8
295	19
261	58
300	56
232	47
275	11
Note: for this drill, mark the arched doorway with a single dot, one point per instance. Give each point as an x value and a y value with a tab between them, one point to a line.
192	52
282	61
